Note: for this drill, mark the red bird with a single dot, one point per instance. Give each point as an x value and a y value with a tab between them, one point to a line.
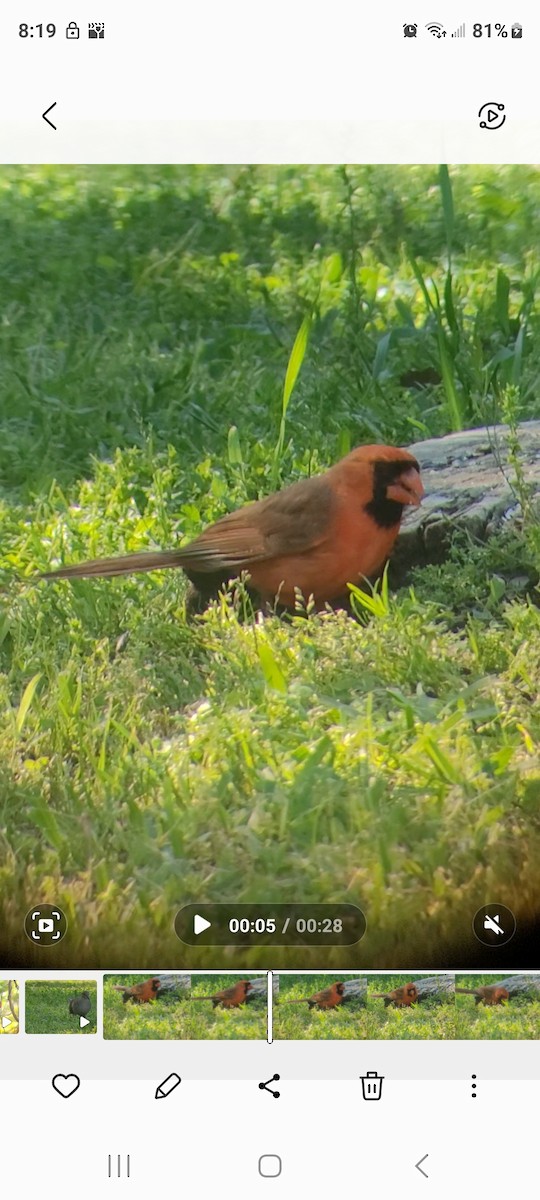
330	997
315	536
231	997
490	995
139	993
402	997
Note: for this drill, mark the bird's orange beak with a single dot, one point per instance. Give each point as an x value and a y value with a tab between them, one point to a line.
407	489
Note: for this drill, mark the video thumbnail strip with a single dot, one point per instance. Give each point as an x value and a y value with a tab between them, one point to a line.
285	1006
310	1006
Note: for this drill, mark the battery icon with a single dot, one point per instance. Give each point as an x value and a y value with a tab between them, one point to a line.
517	29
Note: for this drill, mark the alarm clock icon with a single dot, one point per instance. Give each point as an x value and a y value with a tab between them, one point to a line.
410	30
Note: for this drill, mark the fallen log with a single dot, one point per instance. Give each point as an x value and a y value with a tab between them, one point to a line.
526	986
435	987
258	990
173	984
355	991
471	487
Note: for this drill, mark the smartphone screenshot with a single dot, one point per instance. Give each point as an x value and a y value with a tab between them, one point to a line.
269	599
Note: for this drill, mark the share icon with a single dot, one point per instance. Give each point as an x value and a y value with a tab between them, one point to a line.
264	1087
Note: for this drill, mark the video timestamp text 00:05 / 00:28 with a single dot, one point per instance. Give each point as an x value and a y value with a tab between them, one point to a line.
270	924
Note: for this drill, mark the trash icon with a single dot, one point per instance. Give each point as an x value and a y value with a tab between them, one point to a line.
372	1085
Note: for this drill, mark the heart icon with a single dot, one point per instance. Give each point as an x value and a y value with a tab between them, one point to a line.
66	1085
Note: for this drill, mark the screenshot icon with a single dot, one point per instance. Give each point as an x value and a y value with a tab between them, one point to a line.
45	925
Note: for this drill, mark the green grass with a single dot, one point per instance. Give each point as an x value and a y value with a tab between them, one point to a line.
517	1019
148	320
428	1019
299	1022
181	1017
47	1006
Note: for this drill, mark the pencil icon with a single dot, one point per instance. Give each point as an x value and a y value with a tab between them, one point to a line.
167	1086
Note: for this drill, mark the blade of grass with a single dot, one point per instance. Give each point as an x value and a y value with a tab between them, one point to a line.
453	399
294	364
518	356
273	675
445	185
502	297
26	701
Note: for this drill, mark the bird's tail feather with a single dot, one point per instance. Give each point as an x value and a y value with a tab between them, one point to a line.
153	560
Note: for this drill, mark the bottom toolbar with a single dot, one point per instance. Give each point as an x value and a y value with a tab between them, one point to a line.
225	1138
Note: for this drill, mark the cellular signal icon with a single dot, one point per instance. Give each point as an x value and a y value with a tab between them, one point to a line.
460	31
436	29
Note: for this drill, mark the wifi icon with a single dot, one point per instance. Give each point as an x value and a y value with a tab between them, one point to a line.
436	29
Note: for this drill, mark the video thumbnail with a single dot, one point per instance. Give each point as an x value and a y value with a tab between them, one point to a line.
270	563
400	1007
497	1007
315	1007
180	1008
60	1006
9	1006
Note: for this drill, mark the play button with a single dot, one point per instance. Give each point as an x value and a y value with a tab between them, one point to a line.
492	116
83	1021
200	924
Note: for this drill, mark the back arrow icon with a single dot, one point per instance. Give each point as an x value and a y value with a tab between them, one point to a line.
45	117
419	1166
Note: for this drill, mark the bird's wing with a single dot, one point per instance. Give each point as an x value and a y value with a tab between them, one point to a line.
289	522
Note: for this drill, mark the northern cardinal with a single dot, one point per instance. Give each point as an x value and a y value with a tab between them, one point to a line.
490	994
231	997
402	997
79	1006
316	536
330	997
139	993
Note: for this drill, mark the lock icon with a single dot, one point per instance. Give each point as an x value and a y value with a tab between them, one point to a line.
72	30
